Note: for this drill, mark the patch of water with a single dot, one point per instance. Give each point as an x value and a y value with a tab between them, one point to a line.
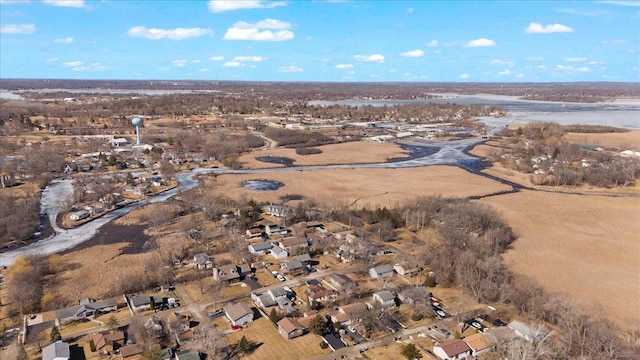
262	185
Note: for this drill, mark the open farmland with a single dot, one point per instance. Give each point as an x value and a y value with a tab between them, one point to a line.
620	141
373	187
583	245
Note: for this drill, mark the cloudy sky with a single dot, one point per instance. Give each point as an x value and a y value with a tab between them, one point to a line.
321	40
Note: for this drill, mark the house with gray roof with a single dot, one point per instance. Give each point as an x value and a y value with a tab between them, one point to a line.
238	313
381	271
226	273
385	298
59	350
260	248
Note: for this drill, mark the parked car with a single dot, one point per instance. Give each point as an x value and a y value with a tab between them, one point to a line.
281	278
274	273
351	328
215	313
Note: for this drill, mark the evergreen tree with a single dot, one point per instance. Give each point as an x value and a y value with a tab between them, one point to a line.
22	353
410	351
55	334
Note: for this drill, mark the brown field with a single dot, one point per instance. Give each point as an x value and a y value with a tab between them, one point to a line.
373	187
620	141
345	153
583	245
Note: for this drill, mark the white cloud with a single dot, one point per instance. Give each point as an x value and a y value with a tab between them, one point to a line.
505	72
66	3
216	58
432	43
72	63
203	70
174	34
260	31
482	42
344	66
519	75
67	40
370	58
536	28
196	61
575	59
179	63
571	69
18	29
233	64
52	59
409	10
503	62
290	69
541	67
249	58
217	6
80	66
162	68
464	76
413	53
535	58
622	3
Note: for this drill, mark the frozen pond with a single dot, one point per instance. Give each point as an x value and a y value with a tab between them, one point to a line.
262	185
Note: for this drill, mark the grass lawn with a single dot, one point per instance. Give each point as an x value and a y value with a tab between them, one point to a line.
386	352
273	346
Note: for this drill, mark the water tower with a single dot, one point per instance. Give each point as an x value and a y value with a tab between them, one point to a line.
137	122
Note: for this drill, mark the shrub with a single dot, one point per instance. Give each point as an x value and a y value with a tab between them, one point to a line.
308	151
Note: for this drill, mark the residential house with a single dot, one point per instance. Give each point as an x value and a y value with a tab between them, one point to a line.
292	267
346	253
415	295
59	350
277	210
202	261
294	244
244	270
130	351
260	248
255	232
178	322
348	314
285	305
278	252
226	273
278	292
154	327
263	300
315	238
527	332
452	349
187	355
303	258
502	334
290	328
407	269
385	298
318	294
88	308
480	343
141	302
272	229
341	282
381	271
106	344
238	313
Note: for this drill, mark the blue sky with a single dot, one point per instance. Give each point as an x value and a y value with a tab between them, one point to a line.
509	41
